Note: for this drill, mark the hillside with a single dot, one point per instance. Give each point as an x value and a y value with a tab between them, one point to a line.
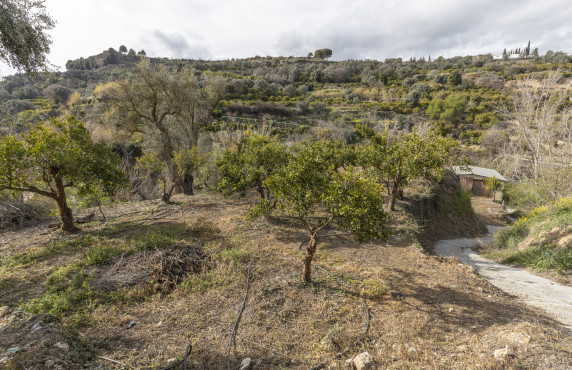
468	98
540	240
153	278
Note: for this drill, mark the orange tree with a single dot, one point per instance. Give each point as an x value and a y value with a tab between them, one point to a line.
255	158
54	156
398	160
319	187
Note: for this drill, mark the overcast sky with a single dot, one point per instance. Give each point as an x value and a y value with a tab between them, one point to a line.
360	29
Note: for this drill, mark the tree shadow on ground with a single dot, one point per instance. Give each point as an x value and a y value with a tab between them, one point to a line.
455	308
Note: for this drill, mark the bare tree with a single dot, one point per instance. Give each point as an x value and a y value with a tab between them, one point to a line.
540	125
537	117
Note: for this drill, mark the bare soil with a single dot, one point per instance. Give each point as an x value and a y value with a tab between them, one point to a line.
489	212
426	311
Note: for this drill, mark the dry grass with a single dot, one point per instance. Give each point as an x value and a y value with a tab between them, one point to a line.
426	311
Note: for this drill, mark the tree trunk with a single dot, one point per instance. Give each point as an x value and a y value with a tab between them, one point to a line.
65	211
260	191
396	188
187	185
310	250
166	197
394	194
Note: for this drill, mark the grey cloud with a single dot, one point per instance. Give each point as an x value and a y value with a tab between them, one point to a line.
377	30
176	45
291	43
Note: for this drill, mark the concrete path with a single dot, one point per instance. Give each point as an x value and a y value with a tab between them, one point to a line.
553	298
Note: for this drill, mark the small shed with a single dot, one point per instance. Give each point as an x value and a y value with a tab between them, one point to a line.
473	179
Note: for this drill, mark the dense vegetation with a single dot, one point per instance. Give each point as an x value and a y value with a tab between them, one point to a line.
541	240
477	100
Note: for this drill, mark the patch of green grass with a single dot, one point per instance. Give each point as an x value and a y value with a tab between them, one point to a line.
35	255
64	293
235	255
545	218
544	257
103	253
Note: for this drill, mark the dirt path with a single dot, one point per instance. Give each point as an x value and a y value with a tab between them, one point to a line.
533	290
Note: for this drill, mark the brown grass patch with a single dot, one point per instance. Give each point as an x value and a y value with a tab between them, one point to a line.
426	311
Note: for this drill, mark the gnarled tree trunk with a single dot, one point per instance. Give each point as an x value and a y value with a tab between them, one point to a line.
65	211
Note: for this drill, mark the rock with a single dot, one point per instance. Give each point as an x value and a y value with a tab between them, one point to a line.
363	361
562	242
245	363
501	353
554	233
85	219
4	310
37	326
395	294
410	349
63	346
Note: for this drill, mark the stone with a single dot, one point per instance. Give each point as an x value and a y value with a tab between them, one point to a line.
63	346
396	294
410	349
37	326
4	310
562	242
501	353
245	363
363	361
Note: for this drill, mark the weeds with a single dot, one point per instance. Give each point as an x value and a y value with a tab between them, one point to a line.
71	287
544	257
536	226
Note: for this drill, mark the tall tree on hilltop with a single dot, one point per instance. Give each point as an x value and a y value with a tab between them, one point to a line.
323	53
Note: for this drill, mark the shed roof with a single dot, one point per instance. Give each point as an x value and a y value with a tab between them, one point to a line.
479	171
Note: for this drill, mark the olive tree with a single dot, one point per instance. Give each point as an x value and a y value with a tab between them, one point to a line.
54	156
319	187
168	108
24	43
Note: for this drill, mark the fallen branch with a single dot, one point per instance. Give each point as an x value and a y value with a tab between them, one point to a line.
112	360
235	329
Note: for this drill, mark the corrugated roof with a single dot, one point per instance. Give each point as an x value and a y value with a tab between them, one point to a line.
479	171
